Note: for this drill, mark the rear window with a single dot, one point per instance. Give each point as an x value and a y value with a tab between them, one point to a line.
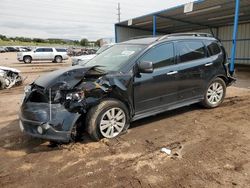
61	50
190	50
213	48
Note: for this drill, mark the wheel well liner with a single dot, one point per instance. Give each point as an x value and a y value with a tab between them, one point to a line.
27	56
57	56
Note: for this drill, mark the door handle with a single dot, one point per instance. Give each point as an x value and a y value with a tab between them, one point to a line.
208	64
172	72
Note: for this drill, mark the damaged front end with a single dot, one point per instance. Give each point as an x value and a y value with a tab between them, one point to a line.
54	103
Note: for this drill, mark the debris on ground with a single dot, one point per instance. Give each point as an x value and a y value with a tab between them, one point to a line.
166	150
9	77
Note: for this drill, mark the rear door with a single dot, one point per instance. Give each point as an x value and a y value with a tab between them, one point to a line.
216	63
48	54
192	58
153	90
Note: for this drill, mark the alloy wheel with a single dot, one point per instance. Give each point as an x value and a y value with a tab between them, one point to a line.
215	93
112	122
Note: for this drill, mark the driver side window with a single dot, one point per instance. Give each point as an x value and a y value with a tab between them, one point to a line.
161	55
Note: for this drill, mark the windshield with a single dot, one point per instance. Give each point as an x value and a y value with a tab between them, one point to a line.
115	57
103	48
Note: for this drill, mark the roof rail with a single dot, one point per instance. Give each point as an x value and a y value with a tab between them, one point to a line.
186	34
192	34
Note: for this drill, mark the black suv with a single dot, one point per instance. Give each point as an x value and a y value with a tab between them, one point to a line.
127	82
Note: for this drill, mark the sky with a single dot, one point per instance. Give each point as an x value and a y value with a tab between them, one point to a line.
72	19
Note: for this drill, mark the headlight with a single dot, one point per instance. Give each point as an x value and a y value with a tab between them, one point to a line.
75	96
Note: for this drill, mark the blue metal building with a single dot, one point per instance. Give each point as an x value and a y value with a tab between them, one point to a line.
226	19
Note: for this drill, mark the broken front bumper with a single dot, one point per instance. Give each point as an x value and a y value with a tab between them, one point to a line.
41	121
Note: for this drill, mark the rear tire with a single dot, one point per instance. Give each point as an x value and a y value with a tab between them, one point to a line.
107	120
27	59
58	59
215	93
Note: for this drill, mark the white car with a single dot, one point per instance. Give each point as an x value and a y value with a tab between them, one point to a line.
81	60
43	54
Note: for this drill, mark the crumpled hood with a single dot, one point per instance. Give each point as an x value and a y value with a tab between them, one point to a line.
69	76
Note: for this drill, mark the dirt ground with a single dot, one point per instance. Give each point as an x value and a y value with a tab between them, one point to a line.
210	148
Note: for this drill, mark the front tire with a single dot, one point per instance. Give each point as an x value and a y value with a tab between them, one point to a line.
107	120
27	59
215	93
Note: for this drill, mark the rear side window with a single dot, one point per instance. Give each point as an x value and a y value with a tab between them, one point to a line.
160	56
61	50
48	50
213	48
190	50
44	50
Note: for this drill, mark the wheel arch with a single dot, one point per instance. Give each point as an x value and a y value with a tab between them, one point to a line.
224	78
221	76
58	55
126	103
27	56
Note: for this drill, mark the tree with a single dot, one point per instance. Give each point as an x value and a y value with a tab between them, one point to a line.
3	37
38	40
84	42
98	43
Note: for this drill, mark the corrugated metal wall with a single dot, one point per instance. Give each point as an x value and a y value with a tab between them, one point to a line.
243	46
125	33
224	33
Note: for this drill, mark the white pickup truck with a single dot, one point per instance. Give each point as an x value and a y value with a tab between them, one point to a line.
56	55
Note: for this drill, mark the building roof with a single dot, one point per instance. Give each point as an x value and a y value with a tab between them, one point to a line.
205	14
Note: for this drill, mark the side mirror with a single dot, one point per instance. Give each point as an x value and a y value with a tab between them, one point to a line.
145	67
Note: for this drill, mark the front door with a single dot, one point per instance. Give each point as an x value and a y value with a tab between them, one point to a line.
38	54
153	90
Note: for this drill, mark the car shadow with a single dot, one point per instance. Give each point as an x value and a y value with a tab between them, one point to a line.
14	140
165	115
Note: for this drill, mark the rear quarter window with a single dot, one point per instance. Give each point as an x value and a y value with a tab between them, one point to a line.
190	50
213	48
61	50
